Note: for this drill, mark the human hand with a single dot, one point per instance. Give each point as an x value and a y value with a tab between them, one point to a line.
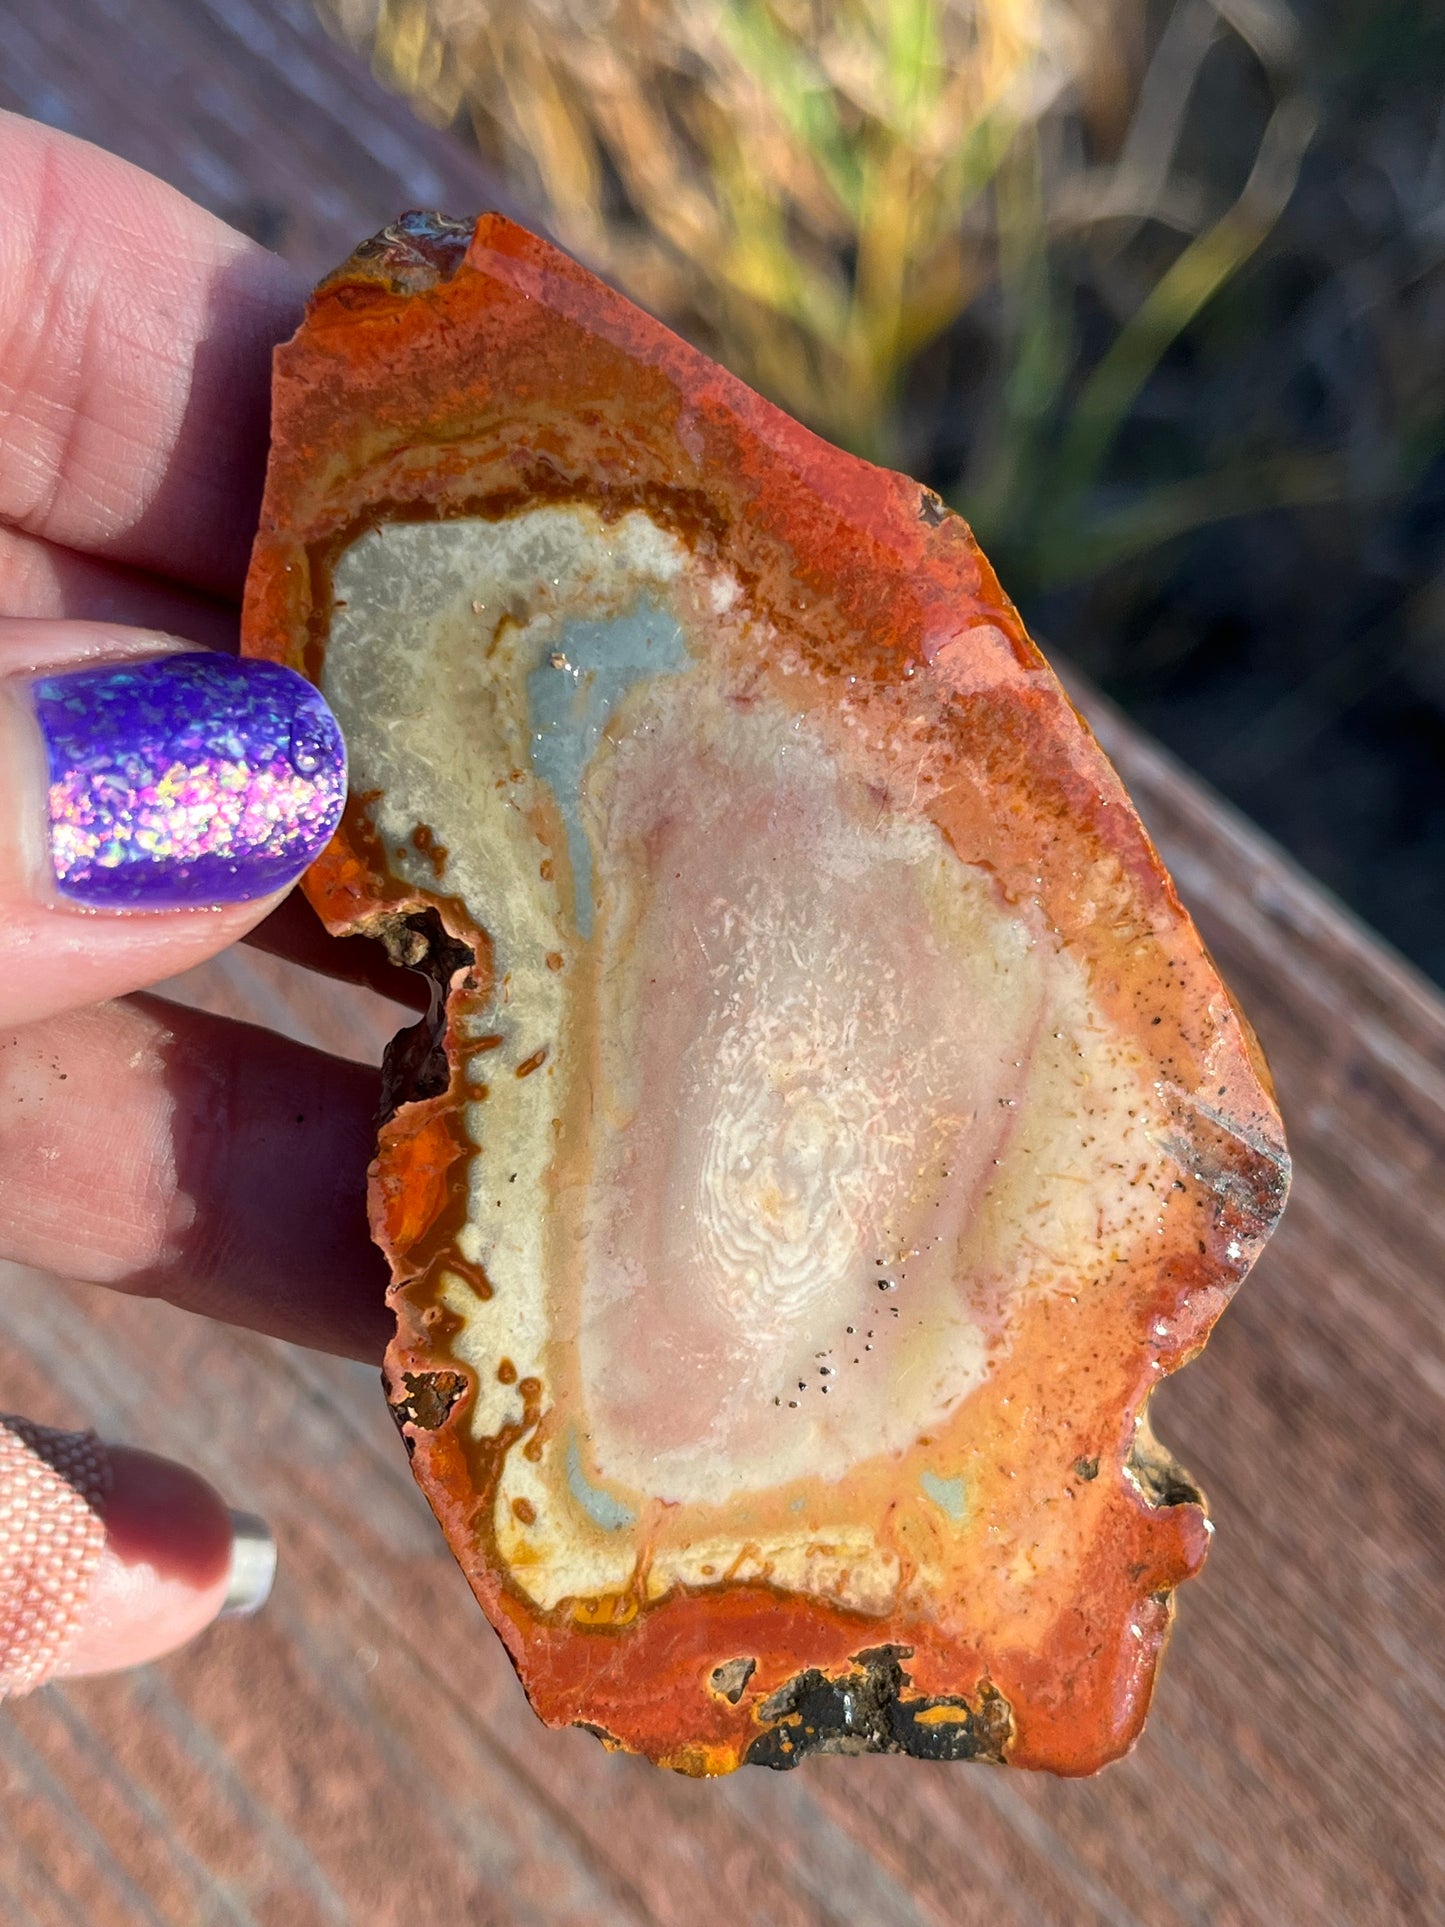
155	805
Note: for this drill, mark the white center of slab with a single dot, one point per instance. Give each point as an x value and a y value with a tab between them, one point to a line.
758	1049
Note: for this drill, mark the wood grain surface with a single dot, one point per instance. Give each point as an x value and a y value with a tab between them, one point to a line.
361	1752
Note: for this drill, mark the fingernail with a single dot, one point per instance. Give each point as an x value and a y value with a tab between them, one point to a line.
187	779
253	1566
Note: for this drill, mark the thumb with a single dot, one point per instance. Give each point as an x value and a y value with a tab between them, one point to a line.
154	805
110	1557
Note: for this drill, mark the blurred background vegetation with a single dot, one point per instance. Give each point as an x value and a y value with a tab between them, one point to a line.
1153	293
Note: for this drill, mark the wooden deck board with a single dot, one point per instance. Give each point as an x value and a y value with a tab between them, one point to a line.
361	1752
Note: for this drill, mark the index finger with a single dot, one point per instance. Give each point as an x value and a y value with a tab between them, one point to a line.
135	362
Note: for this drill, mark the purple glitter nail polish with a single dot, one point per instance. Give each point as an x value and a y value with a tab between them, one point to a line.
189	779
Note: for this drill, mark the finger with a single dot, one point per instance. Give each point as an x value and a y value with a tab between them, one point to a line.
39	579
152	808
176	1154
135	339
110	1557
175	1559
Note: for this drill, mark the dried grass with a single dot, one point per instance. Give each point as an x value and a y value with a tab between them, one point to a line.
820	190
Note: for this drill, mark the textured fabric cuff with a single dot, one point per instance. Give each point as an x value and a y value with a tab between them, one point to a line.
53	1489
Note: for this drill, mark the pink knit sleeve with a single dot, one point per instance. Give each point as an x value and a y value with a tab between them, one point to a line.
53	1488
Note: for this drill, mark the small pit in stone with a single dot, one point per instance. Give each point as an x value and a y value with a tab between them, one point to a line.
731	1678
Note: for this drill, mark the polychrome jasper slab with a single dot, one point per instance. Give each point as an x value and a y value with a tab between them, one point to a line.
828	1127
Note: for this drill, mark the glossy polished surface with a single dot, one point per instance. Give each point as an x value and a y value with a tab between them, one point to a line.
832	1126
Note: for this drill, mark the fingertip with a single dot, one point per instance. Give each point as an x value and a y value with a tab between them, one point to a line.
186	780
169	1567
154	808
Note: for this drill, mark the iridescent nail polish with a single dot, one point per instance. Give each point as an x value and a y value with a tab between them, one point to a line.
187	779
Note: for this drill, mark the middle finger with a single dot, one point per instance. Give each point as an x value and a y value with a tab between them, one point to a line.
176	1154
